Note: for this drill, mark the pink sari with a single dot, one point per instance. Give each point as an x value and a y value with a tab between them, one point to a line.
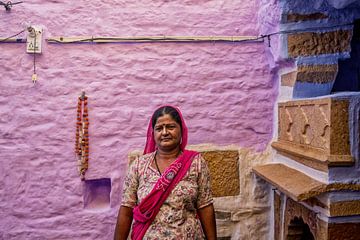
146	211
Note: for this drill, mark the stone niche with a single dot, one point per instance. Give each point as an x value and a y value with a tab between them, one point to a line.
315	132
97	193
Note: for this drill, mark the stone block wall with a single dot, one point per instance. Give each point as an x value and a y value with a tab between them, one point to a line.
315	37
317	43
241	199
224	170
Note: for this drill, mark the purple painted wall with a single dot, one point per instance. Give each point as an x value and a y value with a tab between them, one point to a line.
225	90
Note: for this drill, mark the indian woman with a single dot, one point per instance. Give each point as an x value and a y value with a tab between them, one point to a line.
166	193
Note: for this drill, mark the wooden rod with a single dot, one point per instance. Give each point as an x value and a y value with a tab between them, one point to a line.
12	40
100	39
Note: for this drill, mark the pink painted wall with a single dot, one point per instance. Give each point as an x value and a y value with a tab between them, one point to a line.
225	90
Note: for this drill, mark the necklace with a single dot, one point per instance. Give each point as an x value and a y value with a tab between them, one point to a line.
82	136
157	167
156	164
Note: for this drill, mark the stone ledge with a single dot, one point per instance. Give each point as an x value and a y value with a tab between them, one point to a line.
313	157
298	185
290	181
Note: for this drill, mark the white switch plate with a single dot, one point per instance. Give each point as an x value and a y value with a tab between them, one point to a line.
34	40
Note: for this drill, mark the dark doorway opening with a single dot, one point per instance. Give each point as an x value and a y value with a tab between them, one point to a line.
298	230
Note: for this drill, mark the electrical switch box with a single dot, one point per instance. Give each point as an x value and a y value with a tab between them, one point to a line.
34	39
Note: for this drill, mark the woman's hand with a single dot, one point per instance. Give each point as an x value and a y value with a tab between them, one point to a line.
123	223
208	223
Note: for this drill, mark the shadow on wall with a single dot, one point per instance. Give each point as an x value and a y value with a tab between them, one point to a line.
97	193
348	77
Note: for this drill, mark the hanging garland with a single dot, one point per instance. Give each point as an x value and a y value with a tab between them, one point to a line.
82	136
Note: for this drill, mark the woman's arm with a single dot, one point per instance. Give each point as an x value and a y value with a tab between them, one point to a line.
207	219
123	223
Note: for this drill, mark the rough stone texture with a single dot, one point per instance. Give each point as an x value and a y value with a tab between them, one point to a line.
317	73
311	43
277	216
343	186
250	208
339	128
225	90
296	17
345	208
310	74
317	130
222	215
288	79
224	171
340	231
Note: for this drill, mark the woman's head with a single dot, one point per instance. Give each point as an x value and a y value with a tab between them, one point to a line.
166	124
166	110
163	116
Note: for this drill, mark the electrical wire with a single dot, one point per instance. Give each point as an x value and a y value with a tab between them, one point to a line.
9	4
34	52
5	39
174	39
149	39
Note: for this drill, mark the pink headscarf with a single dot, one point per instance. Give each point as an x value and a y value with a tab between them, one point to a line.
146	211
150	145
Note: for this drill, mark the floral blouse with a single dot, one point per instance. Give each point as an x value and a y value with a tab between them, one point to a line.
177	217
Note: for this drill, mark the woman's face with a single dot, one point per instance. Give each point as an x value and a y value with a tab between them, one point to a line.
167	133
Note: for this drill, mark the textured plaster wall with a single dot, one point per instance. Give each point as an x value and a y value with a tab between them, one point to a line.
226	92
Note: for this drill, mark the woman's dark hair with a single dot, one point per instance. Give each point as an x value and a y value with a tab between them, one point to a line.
166	110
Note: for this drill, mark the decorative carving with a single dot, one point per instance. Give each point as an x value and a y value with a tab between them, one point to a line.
289	123
294	209
316	130
305	123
